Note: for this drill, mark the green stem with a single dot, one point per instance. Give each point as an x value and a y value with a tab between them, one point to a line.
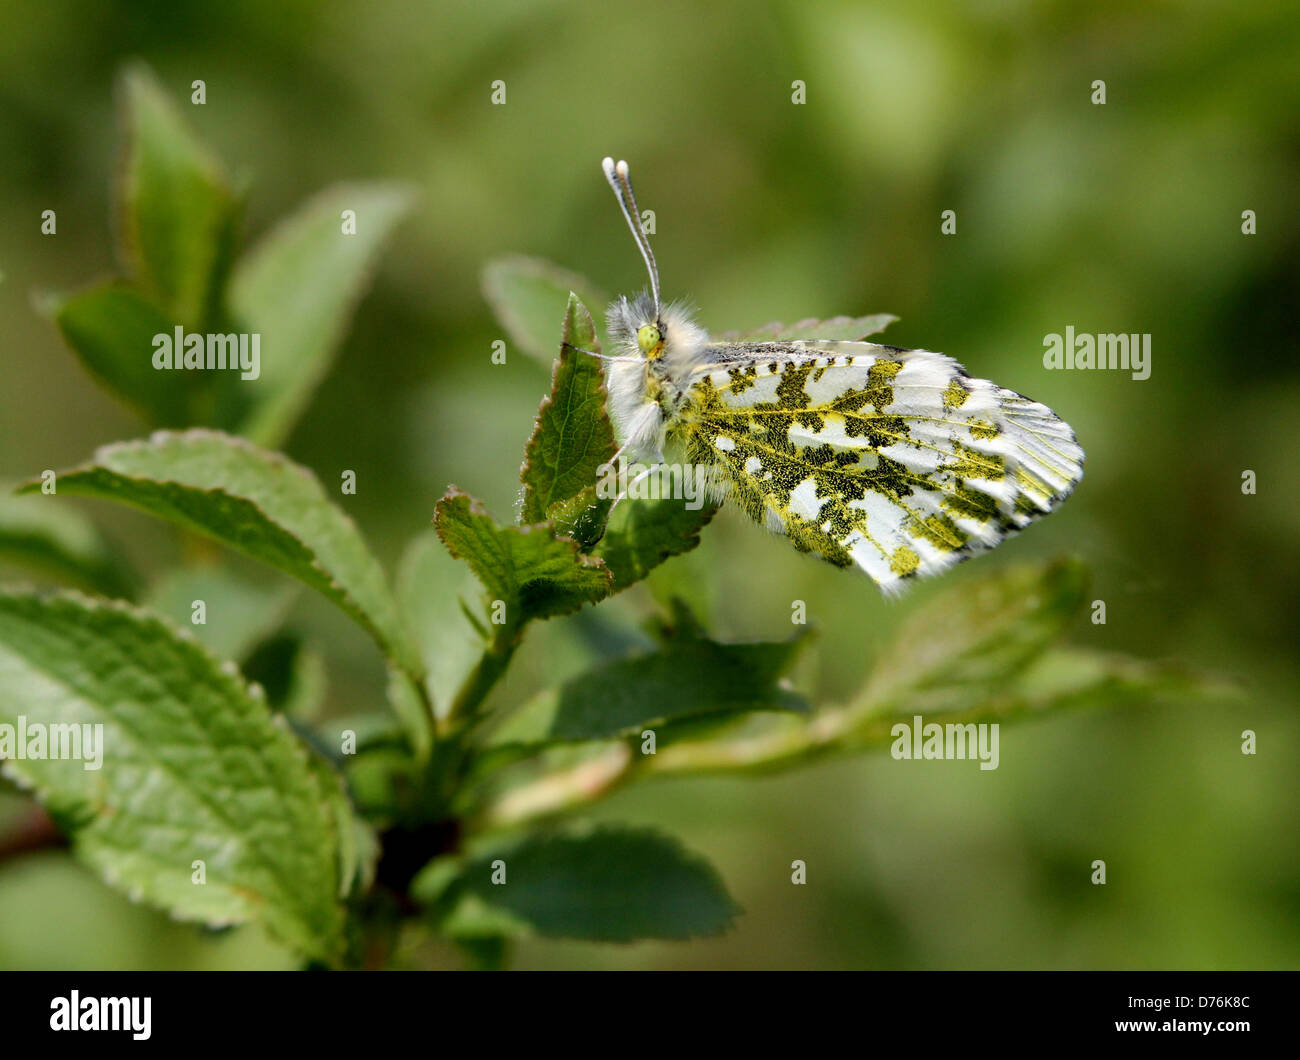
483	678
453	751
426	702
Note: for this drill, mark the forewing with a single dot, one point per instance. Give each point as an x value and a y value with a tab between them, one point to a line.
892	460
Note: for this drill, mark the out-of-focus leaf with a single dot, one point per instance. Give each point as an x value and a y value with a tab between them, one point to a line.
847	329
535	573
572	438
608	884
977	635
370	730
1059	679
432	590
191	767
297	289
409	704
43	535
290	672
257	502
1072	676
529	295
358	847
237	613
175	206
111	328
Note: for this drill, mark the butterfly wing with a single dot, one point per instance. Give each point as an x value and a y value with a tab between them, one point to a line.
892	460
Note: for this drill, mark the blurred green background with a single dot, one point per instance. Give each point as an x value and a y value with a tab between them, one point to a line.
1117	218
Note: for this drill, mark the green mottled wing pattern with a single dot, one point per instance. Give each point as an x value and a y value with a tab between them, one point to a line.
892	460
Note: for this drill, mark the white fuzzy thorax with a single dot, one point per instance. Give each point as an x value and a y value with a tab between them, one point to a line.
639	420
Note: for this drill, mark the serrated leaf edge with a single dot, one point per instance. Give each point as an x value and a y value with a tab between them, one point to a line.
223	670
397	651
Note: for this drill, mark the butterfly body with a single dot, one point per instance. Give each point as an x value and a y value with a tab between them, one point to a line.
891	460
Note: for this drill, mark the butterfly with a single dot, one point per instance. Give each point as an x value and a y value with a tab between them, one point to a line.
891	460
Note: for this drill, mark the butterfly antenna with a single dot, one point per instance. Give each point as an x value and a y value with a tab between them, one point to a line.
618	180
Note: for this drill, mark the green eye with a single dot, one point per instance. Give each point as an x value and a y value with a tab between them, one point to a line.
648	338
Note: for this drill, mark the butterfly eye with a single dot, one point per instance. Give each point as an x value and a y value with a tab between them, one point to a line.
649	340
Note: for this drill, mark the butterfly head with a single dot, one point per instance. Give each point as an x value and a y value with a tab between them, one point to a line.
665	336
649	341
637	327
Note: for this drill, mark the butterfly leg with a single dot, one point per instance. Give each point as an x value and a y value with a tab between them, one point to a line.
641	476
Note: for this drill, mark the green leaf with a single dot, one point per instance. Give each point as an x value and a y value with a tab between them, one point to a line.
259	503
847	329
177	212
976	635
290	672
41	534
358	846
572	438
432	588
111	327
1069	677
237	613
406	697
641	534
192	767
581	517
608	884
529	295
535	573
1059	679
688	677
297	289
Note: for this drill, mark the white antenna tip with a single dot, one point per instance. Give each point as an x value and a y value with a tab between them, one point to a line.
607	164
622	169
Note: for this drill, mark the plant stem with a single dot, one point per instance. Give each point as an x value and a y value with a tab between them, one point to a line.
426	702
454	749
483	678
